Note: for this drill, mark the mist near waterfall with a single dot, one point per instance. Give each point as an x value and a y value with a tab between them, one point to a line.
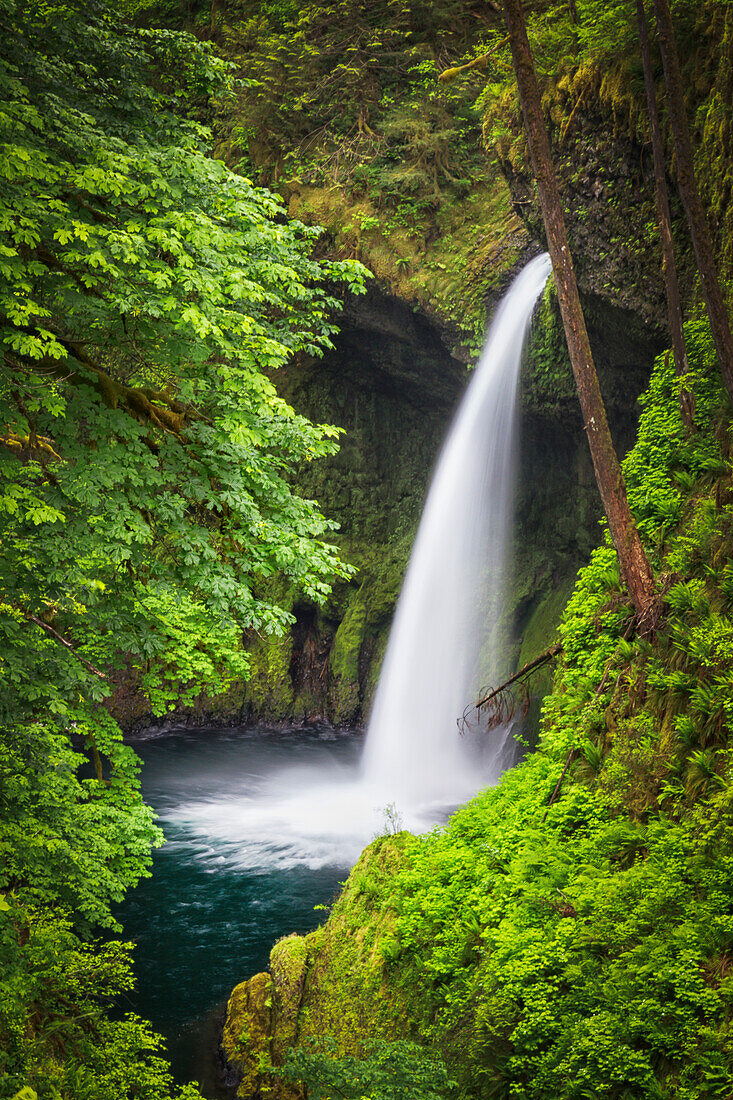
415	766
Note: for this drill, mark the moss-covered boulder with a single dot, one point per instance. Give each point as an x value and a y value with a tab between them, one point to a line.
354	943
298	999
247	1037
288	967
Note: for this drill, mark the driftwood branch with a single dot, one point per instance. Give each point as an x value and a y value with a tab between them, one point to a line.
502	701
525	670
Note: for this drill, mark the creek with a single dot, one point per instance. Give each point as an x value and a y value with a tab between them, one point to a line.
242	865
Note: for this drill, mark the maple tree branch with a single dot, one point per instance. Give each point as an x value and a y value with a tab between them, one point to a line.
64	642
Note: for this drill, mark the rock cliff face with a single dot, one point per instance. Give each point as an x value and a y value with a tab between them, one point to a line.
607	184
393	384
441	261
397	374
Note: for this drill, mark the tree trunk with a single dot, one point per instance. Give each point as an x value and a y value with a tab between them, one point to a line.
635	568
674	307
687	184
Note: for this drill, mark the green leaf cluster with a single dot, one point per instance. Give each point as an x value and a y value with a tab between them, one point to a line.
398	1070
347	94
147	295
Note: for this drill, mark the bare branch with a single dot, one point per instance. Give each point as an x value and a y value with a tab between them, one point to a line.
525	670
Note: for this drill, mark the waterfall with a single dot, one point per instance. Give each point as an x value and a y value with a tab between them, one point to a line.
320	810
442	646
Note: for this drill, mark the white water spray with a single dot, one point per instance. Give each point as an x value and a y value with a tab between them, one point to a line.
441	648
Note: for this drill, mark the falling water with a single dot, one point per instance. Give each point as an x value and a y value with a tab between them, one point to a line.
319	809
443	645
259	827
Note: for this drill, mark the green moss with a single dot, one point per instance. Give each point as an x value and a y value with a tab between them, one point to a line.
541	627
288	967
390	161
247	1035
344	659
269	689
548	377
362	1004
335	981
474	246
535	945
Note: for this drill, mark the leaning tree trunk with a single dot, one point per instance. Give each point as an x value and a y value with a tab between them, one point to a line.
215	16
687	184
635	568
674	307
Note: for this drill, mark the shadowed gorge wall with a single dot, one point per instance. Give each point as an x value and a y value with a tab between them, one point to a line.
393	385
558	506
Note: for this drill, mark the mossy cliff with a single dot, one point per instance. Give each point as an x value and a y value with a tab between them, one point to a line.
393	385
297	999
341	111
556	942
347	120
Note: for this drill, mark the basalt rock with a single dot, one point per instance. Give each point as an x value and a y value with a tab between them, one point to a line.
247	1037
297	1000
392	383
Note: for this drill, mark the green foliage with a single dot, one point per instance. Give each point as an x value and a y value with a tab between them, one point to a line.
666	458
548	381
588	975
341	110
146	289
69	841
144	472
69	1046
391	1071
583	949
347	93
146	293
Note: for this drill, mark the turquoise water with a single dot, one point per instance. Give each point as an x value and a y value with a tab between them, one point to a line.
245	862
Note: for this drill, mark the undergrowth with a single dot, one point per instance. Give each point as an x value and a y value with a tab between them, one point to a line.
582	947
586	953
340	108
